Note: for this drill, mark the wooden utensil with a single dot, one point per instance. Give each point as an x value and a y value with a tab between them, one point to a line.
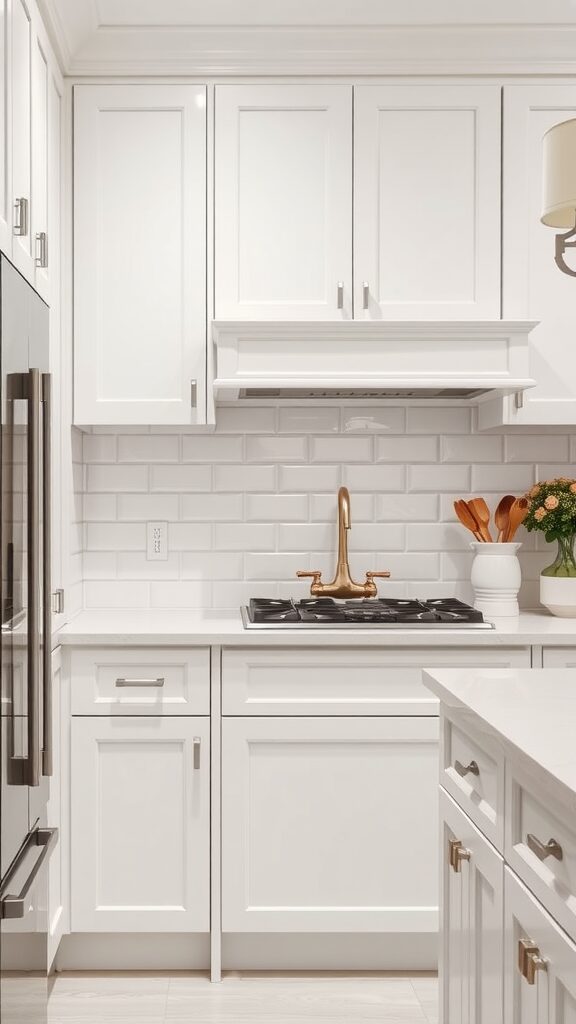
502	514
481	513
466	518
516	516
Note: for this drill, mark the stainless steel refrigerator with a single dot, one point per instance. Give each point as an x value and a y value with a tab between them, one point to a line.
26	840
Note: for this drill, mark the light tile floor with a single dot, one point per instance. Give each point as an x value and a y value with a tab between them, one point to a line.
244	998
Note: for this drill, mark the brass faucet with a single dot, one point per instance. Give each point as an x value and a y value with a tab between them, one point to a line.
342	585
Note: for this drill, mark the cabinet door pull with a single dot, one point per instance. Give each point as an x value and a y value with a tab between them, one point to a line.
41	259
469	769
20	216
456	854
196	745
543	850
365	295
340	295
13	907
140	682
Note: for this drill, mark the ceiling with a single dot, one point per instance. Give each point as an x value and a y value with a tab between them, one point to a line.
127	35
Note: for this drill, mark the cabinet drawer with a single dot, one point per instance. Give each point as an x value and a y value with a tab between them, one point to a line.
161	681
540	845
472	771
343	681
559	657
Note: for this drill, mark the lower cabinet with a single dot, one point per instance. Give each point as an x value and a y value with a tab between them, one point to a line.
540	962
471	956
329	824
141	833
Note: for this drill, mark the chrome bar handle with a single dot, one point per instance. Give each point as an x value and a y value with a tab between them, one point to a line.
543	850
34	623
193	393
340	295
196	757
469	769
365	295
140	682
41	258
12	907
47	747
20	216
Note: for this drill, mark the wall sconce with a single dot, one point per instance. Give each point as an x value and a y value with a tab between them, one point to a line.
559	188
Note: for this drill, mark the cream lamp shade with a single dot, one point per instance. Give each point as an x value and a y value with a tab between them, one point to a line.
559	180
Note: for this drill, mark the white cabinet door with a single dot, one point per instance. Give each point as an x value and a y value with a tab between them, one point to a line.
21	65
5	130
427	202
472	923
140	824
551	998
58	783
329	824
533	286
140	254
40	157
283	195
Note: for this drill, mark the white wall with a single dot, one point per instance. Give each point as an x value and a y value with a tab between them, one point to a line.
252	503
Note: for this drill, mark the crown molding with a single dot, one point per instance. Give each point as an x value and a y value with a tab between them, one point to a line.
449	50
55	29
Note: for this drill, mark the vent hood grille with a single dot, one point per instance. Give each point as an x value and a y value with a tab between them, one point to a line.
367	393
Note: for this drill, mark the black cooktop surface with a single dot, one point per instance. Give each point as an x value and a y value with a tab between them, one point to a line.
381	612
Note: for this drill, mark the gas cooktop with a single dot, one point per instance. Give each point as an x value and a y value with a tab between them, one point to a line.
379	613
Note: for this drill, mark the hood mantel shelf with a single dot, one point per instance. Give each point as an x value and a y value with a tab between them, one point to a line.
371	359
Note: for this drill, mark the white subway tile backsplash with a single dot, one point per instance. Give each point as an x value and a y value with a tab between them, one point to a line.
341	449
536	448
148	448
407	449
250	504
276	449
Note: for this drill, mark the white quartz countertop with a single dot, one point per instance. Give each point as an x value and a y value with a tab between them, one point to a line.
180	627
531	711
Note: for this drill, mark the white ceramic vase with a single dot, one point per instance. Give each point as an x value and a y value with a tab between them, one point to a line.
496	579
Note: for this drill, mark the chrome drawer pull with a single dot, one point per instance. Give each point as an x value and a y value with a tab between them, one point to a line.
543	850
469	769
196	757
365	295
340	295
141	682
12	907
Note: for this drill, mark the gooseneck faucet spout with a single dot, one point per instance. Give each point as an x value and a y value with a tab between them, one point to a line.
342	585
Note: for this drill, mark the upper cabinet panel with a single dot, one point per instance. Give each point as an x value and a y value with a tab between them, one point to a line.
533	286
427	202
22	37
283	194
5	146
140	254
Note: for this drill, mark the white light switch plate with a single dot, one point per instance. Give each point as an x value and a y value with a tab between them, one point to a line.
156	542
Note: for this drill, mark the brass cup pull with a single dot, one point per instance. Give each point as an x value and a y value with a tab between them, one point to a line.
530	961
543	850
469	769
456	854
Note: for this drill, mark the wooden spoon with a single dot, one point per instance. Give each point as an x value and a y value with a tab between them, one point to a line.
481	513
466	518
502	513
516	516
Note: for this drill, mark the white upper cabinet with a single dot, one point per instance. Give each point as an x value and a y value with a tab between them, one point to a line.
533	286
140	254
41	83
283	194
5	118
427	202
21	81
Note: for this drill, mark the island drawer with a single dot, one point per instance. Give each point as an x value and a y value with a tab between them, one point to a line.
540	845
472	772
324	680
130	681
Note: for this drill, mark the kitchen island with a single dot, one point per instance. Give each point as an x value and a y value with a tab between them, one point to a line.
508	844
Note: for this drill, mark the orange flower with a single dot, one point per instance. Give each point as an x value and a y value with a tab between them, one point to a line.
539	514
534	491
573	487
551	501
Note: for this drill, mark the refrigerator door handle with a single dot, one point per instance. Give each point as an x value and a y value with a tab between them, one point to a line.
46	576
34	397
12	907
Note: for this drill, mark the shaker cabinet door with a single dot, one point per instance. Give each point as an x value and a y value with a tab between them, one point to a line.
139	254
329	825
22	40
140	824
283	202
427	202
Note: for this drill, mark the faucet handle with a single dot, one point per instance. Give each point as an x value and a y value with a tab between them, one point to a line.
383	575
315	573
370	585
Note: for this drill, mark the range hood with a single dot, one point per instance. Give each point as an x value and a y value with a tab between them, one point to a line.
295	360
